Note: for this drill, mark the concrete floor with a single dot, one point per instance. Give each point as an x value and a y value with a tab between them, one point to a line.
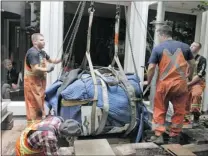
9	137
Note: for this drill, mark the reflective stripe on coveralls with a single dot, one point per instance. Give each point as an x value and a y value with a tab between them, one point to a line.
171	86
34	91
105	104
196	92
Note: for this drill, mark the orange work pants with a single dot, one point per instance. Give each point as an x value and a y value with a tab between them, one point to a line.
193	104
177	93
34	91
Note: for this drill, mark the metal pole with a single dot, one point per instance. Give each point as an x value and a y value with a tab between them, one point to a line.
159	21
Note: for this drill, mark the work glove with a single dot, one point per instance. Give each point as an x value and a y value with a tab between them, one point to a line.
50	68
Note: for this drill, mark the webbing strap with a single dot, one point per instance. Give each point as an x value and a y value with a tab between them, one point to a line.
131	94
94	105
173	62
105	105
106	81
69	103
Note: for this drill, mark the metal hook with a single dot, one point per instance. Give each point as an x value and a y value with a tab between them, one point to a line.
91	9
117	11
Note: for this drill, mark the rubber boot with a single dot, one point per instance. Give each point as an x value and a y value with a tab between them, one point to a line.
174	140
196	120
157	139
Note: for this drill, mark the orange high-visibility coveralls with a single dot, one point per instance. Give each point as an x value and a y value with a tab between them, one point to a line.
171	86
22	148
34	92
193	105
195	96
195	93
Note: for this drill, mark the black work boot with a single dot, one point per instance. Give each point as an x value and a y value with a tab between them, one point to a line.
196	120
174	140
157	139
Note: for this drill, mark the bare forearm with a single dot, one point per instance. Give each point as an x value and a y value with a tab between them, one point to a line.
195	80
39	69
191	72
150	72
191	69
54	61
150	75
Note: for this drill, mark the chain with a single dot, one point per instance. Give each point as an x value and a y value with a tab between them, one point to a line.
91	11
72	38
117	11
76	29
73	35
68	30
91	7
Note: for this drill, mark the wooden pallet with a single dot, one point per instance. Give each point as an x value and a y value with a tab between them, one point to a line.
93	147
177	150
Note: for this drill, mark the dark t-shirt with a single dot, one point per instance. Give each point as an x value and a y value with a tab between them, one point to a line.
12	76
201	67
172	46
33	56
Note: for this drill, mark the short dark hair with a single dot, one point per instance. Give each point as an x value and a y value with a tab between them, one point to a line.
200	45
165	30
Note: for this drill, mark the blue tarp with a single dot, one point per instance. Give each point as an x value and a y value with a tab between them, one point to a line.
119	106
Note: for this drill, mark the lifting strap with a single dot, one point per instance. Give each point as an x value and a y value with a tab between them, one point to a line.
122	77
105	104
131	96
91	11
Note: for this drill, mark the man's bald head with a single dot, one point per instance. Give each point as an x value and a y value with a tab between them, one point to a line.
36	36
38	40
7	64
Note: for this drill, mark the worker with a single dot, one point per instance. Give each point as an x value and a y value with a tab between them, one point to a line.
35	76
196	86
11	81
171	57
41	137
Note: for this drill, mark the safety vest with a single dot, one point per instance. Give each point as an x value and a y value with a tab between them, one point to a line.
22	147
